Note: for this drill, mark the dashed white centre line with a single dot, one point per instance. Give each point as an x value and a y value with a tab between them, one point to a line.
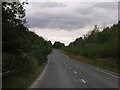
83	80
75	72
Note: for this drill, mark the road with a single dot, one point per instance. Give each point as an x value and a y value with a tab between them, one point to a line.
63	72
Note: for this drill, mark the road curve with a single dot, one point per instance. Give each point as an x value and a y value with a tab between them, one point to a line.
63	72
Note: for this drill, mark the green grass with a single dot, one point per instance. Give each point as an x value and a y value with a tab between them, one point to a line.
22	81
109	64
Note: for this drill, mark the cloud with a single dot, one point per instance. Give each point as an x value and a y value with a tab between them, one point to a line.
43	5
73	0
69	19
60	35
70	16
119	10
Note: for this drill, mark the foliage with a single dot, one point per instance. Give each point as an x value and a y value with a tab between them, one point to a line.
109	64
58	45
97	44
23	50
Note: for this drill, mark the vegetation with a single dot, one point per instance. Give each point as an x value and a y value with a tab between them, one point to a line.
98	44
23	51
22	81
58	45
105	63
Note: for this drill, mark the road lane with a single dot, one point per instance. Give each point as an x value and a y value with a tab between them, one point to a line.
63	72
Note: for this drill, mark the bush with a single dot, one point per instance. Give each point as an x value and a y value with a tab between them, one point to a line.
17	64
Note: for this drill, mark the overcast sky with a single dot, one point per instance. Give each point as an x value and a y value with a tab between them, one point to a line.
65	21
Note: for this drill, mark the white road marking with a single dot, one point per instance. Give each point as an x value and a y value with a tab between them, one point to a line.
83	80
75	72
33	85
106	73
70	67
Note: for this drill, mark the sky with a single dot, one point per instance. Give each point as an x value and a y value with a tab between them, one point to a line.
60	20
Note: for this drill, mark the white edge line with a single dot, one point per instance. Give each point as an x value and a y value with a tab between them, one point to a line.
39	77
83	80
106	73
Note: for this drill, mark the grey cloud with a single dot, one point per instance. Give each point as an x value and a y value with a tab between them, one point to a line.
68	17
47	4
106	5
119	10
60	22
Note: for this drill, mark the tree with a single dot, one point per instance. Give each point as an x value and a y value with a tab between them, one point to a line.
102	44
13	20
58	45
22	49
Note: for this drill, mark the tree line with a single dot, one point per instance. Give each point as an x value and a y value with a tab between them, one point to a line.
97	44
22	50
58	45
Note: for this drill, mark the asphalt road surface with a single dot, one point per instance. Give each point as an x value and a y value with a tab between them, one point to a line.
63	72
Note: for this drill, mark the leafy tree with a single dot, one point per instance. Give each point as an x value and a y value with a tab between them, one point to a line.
23	50
97	44
58	45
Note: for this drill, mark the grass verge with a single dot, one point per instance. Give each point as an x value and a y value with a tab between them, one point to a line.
109	64
22	81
